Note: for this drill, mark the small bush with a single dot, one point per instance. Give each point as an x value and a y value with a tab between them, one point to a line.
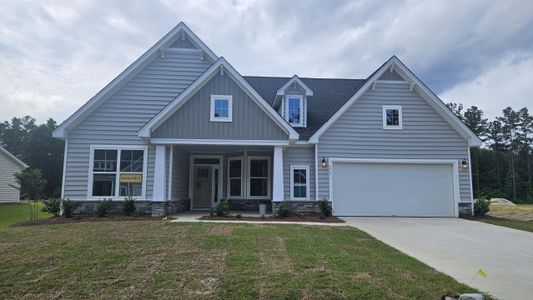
481	207
102	208
68	208
325	208
52	206
128	207
285	210
223	208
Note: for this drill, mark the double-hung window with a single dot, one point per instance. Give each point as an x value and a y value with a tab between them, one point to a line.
235	177
295	110
258	177
392	117
117	172
299	182
221	108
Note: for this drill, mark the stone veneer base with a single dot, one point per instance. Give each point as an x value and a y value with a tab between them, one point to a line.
153	208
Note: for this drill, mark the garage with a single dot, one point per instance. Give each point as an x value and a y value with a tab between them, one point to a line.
410	188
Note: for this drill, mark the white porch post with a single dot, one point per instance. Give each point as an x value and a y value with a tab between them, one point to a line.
159	173
277	185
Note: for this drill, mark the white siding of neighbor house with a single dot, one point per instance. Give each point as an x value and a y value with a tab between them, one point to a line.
359	133
7	170
118	119
301	156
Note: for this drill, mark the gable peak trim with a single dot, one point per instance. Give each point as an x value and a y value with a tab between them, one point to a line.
13	158
295	80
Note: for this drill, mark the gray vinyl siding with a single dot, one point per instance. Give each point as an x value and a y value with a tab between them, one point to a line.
359	133
7	178
118	119
192	120
298	156
180	174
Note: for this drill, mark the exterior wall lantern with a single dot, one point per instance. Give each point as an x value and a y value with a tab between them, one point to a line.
464	164
323	163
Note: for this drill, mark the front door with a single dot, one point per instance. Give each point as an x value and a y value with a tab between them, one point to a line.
202	187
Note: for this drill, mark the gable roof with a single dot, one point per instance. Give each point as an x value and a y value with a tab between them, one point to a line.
91	105
416	84
297	80
328	96
221	65
13	158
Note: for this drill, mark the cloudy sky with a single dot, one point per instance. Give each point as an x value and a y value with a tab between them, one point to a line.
55	55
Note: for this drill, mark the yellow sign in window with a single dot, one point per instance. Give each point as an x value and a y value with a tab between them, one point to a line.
131	178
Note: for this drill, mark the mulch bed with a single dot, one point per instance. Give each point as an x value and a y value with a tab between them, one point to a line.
83	219
301	218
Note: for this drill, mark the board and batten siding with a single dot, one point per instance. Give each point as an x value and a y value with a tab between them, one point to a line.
301	156
180	174
118	119
359	133
192	120
8	168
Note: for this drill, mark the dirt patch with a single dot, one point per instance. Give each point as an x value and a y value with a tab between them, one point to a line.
517	212
220	231
303	218
63	220
273	256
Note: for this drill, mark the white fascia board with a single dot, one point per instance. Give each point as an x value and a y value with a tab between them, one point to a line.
119	81
13	158
165	141
472	139
295	79
146	131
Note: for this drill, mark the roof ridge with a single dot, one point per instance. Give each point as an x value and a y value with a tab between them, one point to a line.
315	78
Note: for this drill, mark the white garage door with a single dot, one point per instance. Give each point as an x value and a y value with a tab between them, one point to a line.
393	189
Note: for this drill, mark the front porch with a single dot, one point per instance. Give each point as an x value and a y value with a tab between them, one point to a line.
198	177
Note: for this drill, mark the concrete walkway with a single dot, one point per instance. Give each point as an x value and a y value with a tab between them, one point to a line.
459	248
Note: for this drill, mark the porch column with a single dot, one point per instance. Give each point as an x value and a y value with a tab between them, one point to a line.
159	173
277	177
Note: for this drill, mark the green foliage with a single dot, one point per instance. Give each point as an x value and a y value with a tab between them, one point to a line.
285	210
481	207
68	208
325	207
223	208
103	207
128	207
30	182
52	206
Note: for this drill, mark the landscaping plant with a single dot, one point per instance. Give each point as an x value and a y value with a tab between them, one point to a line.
284	211
68	208
223	208
481	207
52	206
326	210
128	207
103	207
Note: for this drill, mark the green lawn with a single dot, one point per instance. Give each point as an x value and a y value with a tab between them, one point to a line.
158	259
519	216
11	213
520	225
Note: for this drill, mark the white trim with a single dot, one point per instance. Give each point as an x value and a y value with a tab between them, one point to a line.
316	173
391	81
65	153
295	79
307	181
170	171
301	99
154	51
117	196
471	180
159	189
269	177
14	158
430	97
220	174
277	176
228	98
453	163
219	142
147	129
400	121
228	183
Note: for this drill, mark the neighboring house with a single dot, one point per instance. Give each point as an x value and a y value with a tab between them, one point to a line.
9	165
181	129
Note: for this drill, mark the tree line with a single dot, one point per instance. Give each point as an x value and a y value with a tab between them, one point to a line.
502	166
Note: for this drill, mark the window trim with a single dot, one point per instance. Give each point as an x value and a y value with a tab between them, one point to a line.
230	159
249	178
307	181
301	99
119	148
400	117
212	117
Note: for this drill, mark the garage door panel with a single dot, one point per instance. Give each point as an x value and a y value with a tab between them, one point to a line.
370	189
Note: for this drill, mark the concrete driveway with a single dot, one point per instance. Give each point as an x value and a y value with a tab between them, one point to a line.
460	248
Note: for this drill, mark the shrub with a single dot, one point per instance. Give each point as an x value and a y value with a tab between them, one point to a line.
128	207
325	208
284	210
102	208
481	207
68	208
223	208
52	206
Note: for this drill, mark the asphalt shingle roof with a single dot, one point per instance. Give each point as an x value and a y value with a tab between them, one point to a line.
329	95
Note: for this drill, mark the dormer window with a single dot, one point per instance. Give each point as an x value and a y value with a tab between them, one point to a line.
221	108
295	109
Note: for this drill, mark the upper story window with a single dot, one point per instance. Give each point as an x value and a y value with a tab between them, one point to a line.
392	117
221	108
295	110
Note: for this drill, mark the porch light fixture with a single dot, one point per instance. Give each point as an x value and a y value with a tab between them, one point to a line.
464	164
324	163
